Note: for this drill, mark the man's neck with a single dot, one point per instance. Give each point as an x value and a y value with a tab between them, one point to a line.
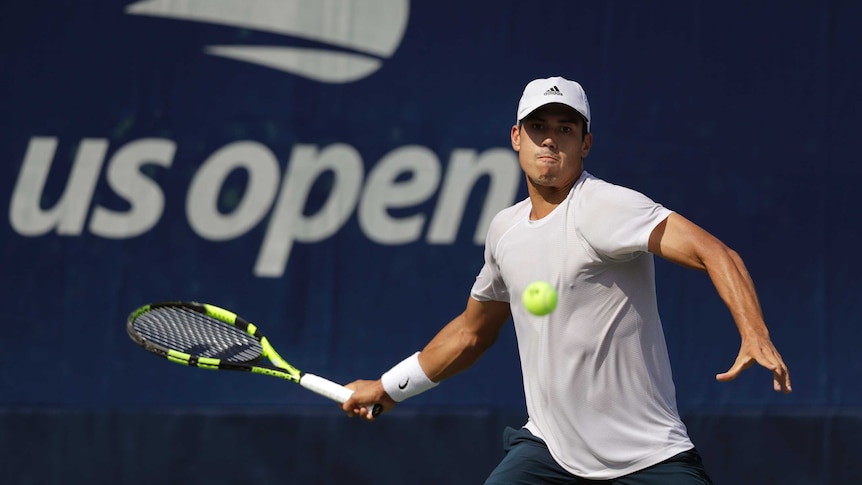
545	199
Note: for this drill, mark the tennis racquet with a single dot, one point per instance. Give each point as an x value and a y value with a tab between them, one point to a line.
209	337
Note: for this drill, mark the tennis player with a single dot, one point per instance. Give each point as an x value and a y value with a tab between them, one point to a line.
600	397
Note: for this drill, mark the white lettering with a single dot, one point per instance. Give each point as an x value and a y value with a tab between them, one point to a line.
202	199
70	211
320	189
500	165
288	223
383	191
145	196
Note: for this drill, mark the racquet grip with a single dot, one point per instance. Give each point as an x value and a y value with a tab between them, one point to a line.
332	390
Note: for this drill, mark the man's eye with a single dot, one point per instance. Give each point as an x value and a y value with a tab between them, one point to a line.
537	126
566	129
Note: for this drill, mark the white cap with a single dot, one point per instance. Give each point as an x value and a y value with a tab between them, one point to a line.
540	92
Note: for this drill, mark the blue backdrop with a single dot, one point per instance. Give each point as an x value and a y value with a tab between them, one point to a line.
327	170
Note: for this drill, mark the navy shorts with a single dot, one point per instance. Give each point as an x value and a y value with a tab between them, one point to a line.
528	462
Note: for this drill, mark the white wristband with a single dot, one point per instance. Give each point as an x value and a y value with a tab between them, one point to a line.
406	379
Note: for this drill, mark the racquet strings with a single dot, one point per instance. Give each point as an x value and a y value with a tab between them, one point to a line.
196	334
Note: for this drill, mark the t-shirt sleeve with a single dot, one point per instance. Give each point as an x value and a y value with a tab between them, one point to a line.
617	222
489	284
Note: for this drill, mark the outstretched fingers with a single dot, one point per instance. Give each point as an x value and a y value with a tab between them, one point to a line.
781	376
767	356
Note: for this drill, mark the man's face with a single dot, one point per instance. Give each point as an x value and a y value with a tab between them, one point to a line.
551	146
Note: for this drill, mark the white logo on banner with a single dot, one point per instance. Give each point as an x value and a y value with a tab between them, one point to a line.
360	33
384	197
370	196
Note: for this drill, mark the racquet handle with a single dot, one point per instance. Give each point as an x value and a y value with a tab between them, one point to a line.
332	390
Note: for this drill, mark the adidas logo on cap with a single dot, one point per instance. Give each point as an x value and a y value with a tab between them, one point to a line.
554	90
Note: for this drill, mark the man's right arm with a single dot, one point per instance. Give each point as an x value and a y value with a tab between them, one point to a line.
456	347
460	343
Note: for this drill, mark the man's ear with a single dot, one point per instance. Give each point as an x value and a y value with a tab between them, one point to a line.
516	138
586	145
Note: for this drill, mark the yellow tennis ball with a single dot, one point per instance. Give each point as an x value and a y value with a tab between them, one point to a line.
540	298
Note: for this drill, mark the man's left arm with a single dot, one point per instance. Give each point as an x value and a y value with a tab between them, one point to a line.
682	242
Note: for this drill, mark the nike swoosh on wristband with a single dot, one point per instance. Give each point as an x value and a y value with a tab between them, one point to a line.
373	29
403	386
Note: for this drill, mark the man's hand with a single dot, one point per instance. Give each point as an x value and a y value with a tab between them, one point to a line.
366	394
760	349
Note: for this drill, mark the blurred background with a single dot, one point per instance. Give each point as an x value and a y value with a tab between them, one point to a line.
327	169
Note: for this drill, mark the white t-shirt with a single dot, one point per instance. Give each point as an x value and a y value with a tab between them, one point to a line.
597	376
